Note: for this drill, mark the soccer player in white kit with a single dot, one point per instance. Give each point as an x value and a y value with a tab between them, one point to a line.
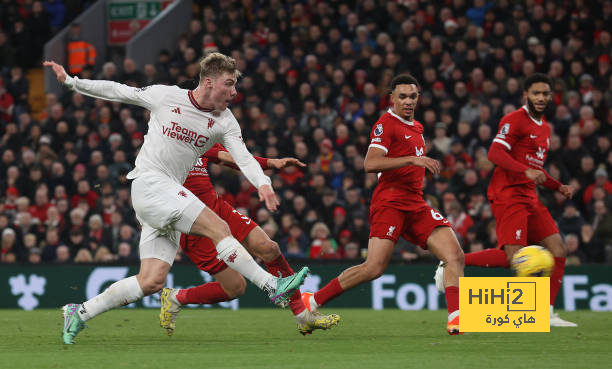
183	125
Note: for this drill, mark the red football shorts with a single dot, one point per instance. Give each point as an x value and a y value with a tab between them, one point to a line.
202	251
522	223
415	226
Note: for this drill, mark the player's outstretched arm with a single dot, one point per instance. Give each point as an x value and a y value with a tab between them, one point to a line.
376	161
59	70
107	90
226	159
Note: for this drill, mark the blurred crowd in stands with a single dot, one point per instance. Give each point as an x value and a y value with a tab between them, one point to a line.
316	77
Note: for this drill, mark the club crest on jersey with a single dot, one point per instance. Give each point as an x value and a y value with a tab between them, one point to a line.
378	130
419	151
540	153
505	129
211	123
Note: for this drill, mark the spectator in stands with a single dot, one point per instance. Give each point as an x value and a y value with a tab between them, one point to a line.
80	52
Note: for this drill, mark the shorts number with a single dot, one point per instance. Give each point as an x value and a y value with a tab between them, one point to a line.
436	215
248	221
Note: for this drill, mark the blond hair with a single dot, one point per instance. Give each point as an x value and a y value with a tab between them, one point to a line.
214	64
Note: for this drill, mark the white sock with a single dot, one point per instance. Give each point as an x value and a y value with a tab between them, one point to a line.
301	315
313	304
453	315
551	309
238	258
120	293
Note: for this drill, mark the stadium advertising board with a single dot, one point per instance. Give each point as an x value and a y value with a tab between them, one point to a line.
405	287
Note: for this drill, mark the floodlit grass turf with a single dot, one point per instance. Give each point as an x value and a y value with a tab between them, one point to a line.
267	338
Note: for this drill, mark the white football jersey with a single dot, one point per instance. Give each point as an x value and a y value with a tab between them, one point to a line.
180	130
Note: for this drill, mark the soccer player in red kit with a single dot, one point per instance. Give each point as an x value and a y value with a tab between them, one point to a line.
229	283
519	152
397	153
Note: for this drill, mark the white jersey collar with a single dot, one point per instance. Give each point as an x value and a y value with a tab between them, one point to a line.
400	118
538	122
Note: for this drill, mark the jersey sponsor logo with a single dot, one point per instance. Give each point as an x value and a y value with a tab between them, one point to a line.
390	231
176	110
419	151
505	129
378	130
184	134
211	123
376	139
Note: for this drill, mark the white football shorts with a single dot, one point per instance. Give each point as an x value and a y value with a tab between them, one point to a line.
165	209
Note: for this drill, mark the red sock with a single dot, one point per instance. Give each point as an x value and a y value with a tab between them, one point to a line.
452	298
556	278
280	265
208	293
489	258
330	291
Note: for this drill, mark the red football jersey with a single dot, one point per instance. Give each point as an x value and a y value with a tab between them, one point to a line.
198	180
400	188
527	141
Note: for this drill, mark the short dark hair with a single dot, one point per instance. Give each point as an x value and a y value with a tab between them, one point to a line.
404	79
536	78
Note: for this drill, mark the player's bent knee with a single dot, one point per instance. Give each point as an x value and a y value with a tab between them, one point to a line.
219	231
269	250
373	271
151	286
559	252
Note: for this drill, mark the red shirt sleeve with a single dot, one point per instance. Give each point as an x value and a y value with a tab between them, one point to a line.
551	183
508	133
213	153
499	156
213	157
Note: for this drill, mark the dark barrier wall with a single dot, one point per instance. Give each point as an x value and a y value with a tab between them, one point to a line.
406	287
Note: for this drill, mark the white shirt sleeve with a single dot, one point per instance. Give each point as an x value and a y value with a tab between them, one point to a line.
232	140
147	97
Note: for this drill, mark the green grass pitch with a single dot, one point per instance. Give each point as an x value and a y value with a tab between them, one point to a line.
268	338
